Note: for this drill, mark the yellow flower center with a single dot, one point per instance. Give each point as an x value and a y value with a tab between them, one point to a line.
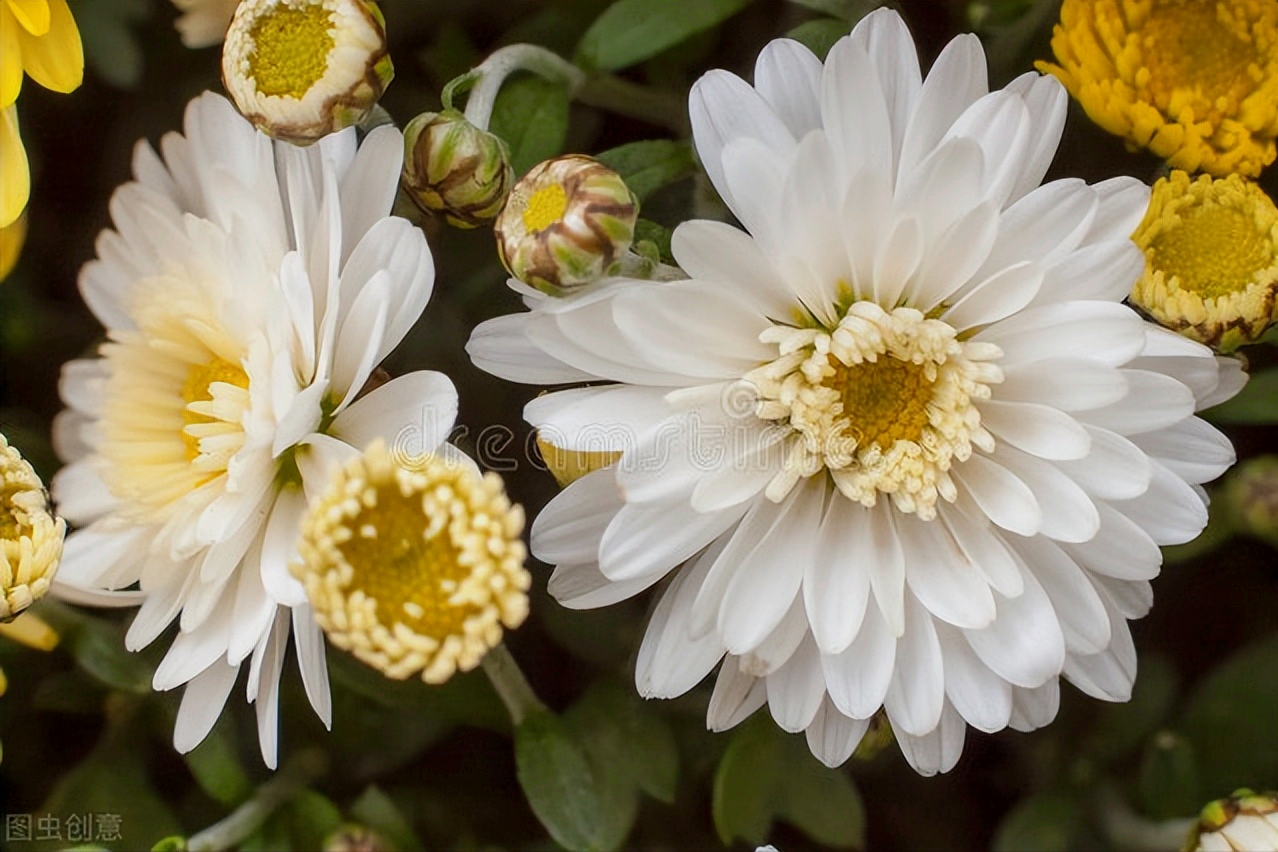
883	403
196	388
414	569
290	51
1199	44
13	517
30	537
175	395
545	207
1211	248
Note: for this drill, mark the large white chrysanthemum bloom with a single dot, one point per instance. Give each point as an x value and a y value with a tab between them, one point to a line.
249	291
900	445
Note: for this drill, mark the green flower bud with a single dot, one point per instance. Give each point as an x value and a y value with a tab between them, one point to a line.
1251	498
454	169
1244	821
357	838
567	223
301	69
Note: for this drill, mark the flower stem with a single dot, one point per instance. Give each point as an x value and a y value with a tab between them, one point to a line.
654	106
494	70
248	817
510	684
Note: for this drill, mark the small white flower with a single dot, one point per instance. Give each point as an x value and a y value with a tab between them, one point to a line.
900	445
249	291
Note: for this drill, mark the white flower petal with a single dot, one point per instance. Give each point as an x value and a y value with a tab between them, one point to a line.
413	414
832	736
202	703
788	76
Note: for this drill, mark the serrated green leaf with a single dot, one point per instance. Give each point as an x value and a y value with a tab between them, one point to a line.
651	164
215	763
531	116
1257	403
630	31
377	810
1169	777
98	647
559	783
820	35
745	796
1044	822
1229	719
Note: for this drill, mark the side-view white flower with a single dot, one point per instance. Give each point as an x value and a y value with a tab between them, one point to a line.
898	445
249	290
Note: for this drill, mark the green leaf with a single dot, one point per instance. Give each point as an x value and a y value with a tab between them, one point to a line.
850	11
628	739
658	236
1169	777
630	31
649	165
820	35
376	810
1044	822
531	115
176	843
215	763
312	817
111	46
98	647
1120	729
560	785
1229	719
767	775
1256	404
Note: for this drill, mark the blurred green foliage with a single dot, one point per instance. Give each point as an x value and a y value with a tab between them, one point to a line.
440	767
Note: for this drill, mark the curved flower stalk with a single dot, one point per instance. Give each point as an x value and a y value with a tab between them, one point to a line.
898	444
249	290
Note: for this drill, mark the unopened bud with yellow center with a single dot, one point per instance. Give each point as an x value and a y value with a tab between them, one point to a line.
301	69
567	223
454	169
1250	497
1211	252
1246	822
414	565
30	536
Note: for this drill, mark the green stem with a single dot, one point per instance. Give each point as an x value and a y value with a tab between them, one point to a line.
511	685
248	817
656	107
494	70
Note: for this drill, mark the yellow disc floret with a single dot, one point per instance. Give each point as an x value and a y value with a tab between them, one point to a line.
30	536
290	51
883	402
414	568
1194	81
1211	249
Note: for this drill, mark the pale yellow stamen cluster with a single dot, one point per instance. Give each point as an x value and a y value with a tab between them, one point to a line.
1194	81
1211	248
414	568
30	537
883	402
176	399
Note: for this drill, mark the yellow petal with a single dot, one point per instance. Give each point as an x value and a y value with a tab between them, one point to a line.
55	60
10	58
31	630
32	14
15	177
11	239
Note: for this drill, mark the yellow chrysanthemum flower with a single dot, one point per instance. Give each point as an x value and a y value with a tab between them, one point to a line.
1211	252
414	565
1194	81
39	38
30	536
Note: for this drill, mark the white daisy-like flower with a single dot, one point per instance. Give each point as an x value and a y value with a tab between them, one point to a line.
899	446
249	290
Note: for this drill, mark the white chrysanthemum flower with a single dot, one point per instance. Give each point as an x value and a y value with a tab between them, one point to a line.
900	446
249	291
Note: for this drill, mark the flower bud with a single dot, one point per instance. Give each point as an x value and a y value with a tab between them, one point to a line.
1211	251
357	838
1244	821
1251	498
301	69
566	224
454	169
30	536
